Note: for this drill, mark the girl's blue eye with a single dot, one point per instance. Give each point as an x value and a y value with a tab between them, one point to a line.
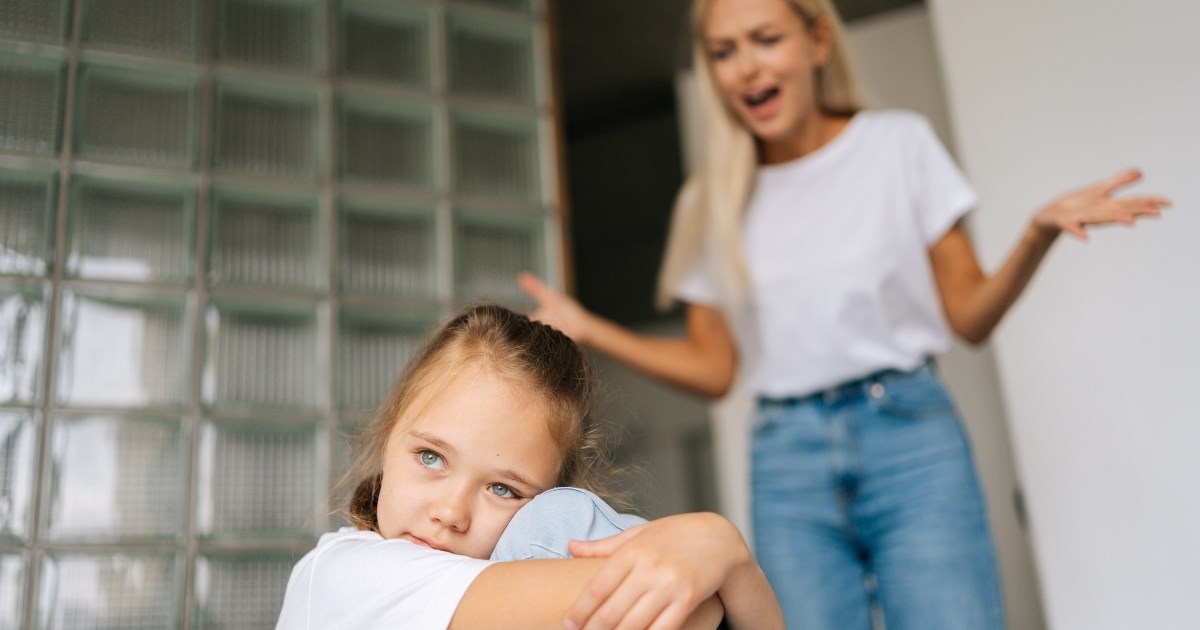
502	491
431	460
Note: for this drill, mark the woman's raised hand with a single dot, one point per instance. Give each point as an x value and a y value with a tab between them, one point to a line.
1096	205
659	572
555	308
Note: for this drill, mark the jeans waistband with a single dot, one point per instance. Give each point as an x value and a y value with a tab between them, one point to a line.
849	389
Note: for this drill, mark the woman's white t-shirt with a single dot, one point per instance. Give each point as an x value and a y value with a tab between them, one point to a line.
358	579
837	246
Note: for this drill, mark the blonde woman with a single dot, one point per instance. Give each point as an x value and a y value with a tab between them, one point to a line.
821	254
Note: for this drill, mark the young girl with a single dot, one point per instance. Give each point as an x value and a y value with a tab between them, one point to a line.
493	412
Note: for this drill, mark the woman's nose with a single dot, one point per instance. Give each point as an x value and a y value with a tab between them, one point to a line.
747	64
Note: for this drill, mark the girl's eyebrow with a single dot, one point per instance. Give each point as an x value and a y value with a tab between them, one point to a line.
445	447
434	440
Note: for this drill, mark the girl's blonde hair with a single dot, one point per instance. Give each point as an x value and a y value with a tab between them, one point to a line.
536	358
707	217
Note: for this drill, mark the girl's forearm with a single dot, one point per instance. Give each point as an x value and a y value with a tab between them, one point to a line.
749	601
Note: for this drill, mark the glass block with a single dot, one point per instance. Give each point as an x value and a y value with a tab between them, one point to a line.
31	102
18	450
490	57
495	155
385	43
22	336
124	590
34	20
126	231
124	349
266	133
389	145
259	240
27	208
489	252
116	479
263	356
137	115
12	589
240	591
257	481
373	348
283	34
387	252
156	27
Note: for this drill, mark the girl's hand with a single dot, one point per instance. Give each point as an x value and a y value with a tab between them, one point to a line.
555	308
657	573
1095	205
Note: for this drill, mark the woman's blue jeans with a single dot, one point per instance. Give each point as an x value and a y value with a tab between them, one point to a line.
865	494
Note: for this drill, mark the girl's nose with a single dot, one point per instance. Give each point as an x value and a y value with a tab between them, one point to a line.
452	512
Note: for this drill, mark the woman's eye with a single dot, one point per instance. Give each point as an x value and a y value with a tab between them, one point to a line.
431	460
502	491
721	53
770	40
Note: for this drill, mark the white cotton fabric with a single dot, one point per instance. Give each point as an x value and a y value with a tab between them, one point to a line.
837	249
358	579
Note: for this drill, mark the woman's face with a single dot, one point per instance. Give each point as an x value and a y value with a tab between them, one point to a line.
763	58
471	455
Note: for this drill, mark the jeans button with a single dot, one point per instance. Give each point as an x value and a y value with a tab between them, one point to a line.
877	390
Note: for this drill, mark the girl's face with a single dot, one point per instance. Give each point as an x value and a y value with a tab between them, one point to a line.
763	58
473	453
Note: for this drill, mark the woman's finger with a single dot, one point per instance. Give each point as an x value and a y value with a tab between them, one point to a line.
534	287
672	617
1124	178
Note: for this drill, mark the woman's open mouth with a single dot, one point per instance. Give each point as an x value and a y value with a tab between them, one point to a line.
763	103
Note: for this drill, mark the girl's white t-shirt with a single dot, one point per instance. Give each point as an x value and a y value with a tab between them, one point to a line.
837	246
358	579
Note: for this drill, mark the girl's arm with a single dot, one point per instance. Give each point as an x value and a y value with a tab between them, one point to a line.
703	361
638	588
537	594
974	302
679	571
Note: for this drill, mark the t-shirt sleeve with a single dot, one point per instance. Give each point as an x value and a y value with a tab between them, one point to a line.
697	286
943	194
361	582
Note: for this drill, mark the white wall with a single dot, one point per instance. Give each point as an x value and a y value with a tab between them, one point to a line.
1098	361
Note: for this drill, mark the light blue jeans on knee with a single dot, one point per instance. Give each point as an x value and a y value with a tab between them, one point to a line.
542	527
872	482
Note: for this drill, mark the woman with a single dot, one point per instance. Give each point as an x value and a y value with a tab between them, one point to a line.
821	254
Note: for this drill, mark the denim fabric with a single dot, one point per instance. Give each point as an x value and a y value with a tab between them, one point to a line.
866	494
543	526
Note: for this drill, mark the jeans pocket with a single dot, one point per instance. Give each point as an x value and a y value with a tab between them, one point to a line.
913	395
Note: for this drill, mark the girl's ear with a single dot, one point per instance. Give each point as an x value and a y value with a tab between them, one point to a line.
821	32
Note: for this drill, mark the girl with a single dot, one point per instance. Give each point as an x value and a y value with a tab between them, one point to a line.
821	248
493	412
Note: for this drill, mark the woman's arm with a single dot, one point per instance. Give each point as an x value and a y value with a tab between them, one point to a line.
703	361
974	302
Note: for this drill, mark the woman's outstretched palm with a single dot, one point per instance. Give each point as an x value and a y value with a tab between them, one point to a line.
1095	205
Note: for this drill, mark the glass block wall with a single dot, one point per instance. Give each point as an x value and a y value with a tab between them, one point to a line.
224	224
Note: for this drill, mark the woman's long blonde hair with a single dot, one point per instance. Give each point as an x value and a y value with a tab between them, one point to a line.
707	217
